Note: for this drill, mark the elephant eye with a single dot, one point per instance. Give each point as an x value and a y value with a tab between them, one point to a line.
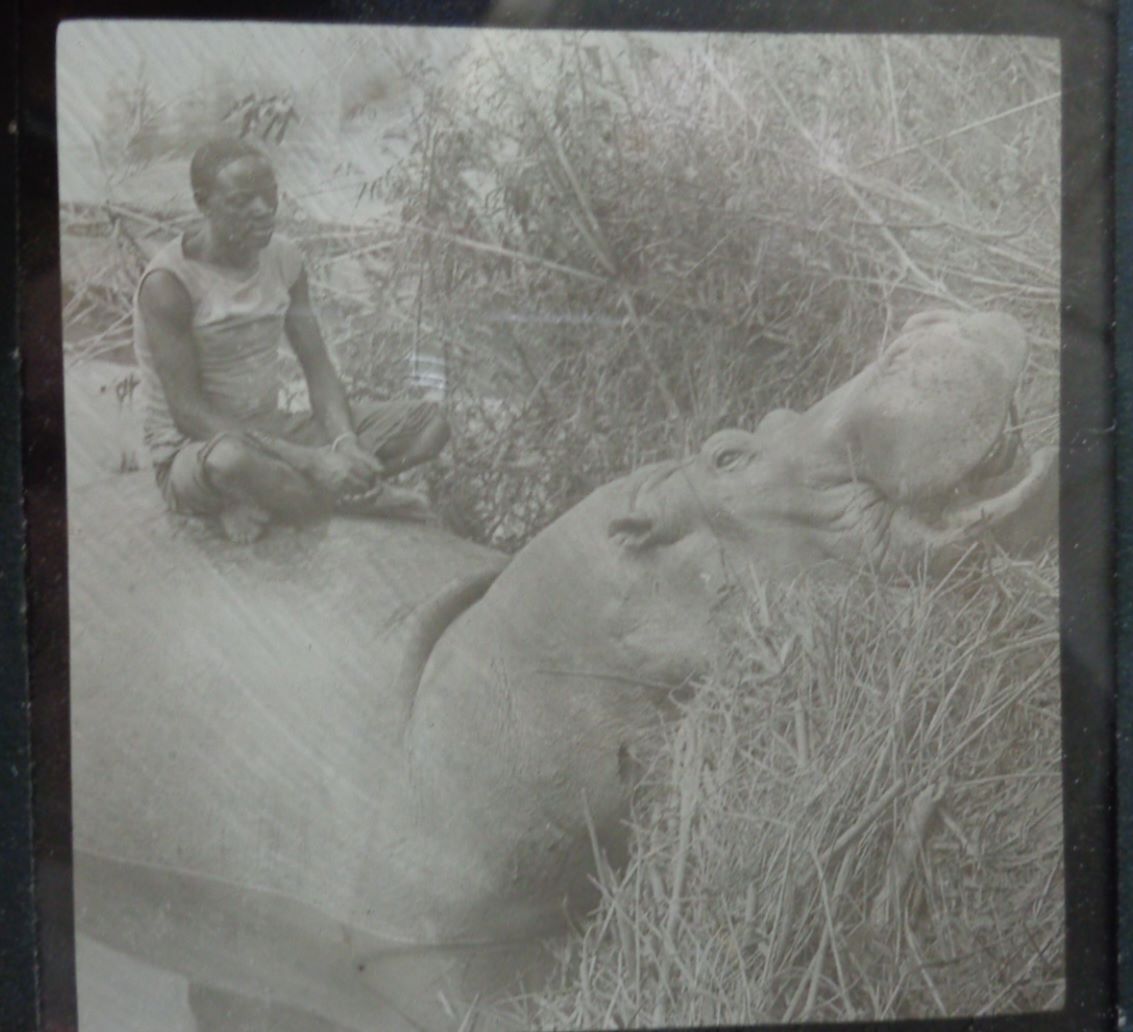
730	458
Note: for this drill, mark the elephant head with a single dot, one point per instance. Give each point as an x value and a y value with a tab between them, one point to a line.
912	461
580	640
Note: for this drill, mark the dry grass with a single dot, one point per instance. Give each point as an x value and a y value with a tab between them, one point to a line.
858	817
618	248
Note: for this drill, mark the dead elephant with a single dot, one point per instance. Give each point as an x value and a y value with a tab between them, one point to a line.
318	779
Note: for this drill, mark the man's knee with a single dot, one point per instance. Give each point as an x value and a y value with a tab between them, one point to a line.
404	433
230	461
237	467
240	471
437	428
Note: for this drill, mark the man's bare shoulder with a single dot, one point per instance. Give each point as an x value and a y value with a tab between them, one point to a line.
163	296
288	256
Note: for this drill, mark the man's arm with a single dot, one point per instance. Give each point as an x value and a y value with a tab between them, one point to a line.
328	396
168	315
167	311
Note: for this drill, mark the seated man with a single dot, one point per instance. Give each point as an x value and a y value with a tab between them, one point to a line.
209	315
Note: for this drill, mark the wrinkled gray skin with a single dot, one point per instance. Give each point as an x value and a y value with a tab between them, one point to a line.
321	770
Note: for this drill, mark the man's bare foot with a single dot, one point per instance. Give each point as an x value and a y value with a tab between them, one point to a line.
243	524
384	499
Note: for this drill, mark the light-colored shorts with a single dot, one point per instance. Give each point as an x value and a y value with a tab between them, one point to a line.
387	429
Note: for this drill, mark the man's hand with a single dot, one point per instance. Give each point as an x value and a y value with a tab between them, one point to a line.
340	473
345	468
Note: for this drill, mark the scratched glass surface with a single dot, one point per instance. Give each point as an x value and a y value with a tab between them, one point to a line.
717	681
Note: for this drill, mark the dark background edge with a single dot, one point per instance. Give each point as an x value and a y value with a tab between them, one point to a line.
1123	315
17	915
17	924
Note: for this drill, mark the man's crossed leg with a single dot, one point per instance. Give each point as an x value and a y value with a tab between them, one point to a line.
239	477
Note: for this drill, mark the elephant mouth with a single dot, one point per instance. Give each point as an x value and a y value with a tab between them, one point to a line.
1001	460
1004	467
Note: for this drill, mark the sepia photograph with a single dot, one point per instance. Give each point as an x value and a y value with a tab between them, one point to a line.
563	526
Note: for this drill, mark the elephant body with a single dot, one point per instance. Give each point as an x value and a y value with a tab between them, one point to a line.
359	749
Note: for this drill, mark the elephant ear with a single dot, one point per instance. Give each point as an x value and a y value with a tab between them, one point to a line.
655	512
633	531
640	529
936	402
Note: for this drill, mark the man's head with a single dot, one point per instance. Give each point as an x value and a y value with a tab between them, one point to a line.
235	188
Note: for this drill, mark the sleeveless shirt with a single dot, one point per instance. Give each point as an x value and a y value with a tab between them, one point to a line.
237	328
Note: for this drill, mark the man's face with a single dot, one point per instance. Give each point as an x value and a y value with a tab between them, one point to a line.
241	205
